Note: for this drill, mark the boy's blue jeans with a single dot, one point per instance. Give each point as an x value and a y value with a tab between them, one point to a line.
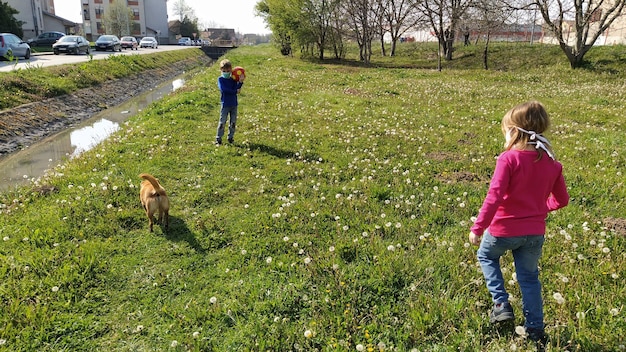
226	110
526	253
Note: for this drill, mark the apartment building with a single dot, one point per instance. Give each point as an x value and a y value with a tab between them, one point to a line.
149	18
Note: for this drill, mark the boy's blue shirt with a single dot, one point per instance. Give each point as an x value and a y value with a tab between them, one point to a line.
228	87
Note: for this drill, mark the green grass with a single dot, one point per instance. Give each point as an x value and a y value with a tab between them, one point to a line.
22	86
342	209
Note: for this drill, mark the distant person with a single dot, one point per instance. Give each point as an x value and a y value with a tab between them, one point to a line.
229	89
466	34
527	184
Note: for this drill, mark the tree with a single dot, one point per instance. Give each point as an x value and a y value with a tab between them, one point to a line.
320	14
189	26
362	20
285	19
487	16
182	10
589	19
118	20
8	23
444	17
399	16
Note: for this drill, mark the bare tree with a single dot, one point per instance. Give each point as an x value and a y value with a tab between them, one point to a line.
487	16
118	19
588	19
182	10
398	17
362	25
444	17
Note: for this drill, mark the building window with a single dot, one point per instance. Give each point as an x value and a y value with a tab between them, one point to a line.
136	14
136	30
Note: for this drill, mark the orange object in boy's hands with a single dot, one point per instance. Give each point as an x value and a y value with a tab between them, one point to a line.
239	74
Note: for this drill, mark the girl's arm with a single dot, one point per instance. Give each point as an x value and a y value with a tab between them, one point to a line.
559	196
497	189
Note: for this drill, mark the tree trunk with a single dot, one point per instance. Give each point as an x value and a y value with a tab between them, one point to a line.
394	43
486	51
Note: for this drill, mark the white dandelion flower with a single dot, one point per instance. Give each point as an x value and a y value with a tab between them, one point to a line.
55	288
360	347
308	334
213	300
195	334
558	298
174	343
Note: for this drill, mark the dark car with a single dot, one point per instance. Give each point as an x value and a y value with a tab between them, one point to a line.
71	44
129	43
12	46
45	39
108	42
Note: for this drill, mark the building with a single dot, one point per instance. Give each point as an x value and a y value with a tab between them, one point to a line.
38	16
149	18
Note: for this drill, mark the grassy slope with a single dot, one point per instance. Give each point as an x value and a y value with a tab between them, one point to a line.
343	209
36	83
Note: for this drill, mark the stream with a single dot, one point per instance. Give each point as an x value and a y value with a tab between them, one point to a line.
26	165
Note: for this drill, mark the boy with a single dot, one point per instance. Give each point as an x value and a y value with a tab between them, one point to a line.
229	89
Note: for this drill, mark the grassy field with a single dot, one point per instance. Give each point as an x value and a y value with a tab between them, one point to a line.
337	221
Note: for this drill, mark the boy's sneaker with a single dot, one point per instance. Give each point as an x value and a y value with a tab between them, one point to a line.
218	142
501	312
231	141
537	335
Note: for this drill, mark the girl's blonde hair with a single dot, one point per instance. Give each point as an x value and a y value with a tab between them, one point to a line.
531	117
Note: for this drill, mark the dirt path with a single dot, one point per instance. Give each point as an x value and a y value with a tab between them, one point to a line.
30	123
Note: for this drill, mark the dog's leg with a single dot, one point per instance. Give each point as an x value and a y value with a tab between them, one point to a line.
167	220
150	219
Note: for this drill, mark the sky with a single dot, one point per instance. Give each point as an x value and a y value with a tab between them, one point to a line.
235	14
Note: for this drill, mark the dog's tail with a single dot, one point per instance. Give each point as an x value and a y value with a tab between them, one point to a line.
155	183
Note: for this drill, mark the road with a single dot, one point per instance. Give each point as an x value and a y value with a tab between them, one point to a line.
49	59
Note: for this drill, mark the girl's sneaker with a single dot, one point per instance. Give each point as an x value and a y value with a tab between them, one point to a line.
501	312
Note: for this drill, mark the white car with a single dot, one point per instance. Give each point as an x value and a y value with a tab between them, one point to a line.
148	42
184	41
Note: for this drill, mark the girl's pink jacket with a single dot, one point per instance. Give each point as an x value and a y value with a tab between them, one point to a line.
522	192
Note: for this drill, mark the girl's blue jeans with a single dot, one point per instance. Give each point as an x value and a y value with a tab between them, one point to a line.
526	253
227	110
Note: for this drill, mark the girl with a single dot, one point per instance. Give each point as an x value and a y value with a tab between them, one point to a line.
527	184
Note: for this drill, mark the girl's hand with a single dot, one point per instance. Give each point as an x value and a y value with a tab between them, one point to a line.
474	239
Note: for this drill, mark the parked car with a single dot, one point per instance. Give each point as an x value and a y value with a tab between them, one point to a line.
184	41
12	45
71	44
108	42
45	39
148	42
129	43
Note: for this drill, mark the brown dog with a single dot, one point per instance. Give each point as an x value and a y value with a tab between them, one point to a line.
153	198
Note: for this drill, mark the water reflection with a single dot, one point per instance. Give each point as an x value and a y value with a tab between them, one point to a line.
30	163
88	137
